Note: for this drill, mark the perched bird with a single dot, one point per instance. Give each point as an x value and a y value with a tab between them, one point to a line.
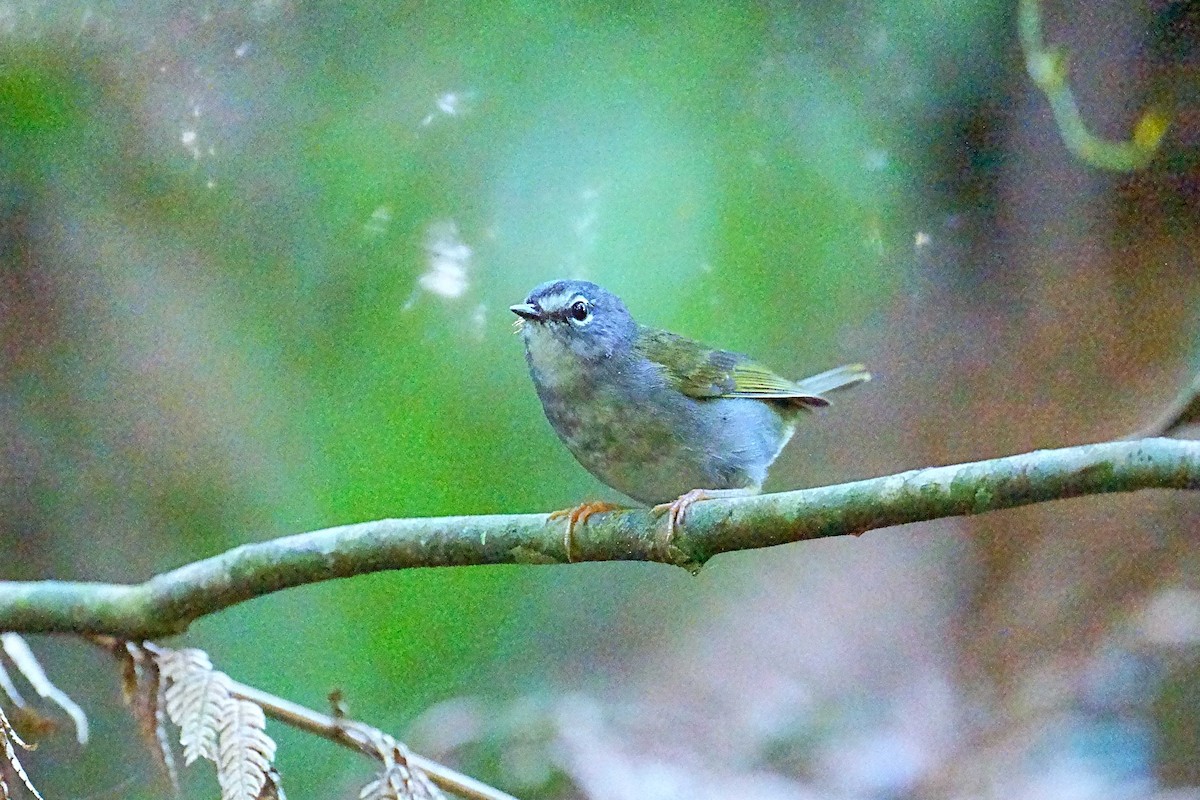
656	416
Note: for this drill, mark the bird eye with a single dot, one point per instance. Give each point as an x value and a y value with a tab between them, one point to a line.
579	310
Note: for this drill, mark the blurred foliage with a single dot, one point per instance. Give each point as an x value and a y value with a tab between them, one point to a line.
255	261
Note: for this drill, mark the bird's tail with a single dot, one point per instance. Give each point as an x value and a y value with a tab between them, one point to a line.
837	378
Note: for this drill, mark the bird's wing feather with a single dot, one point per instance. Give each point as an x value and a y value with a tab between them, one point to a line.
700	372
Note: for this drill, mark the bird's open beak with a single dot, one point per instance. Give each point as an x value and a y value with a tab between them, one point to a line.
526	311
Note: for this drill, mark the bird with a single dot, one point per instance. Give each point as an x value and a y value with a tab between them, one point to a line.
665	420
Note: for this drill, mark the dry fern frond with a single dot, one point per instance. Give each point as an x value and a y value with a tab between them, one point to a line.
26	662
145	694
7	737
273	789
130	658
197	696
398	778
25	717
246	752
10	689
227	730
225	722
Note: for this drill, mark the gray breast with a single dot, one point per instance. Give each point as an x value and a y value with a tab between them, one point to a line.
648	441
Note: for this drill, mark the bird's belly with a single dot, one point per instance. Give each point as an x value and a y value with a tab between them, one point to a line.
654	451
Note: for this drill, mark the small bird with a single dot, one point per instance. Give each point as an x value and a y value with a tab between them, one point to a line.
658	417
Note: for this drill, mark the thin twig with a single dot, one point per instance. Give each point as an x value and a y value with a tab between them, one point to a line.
361	737
352	734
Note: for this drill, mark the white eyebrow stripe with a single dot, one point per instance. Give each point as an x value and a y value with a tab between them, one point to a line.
560	301
553	302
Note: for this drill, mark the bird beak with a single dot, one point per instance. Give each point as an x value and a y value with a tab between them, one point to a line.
526	311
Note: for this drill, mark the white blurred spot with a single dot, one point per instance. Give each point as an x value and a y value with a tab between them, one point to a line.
922	239
210	184
875	159
877	763
450	104
378	223
266	10
242	50
479	321
878	43
584	223
449	257
188	139
1172	617
84	20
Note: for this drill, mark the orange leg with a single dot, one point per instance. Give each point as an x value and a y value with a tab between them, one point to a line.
576	516
679	506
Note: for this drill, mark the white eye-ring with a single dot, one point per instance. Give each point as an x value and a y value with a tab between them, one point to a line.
580	311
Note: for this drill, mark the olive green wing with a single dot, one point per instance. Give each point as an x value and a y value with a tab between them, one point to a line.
701	372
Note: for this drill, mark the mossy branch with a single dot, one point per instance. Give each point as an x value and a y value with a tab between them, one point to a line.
167	603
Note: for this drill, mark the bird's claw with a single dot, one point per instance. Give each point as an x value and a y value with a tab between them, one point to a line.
575	516
675	511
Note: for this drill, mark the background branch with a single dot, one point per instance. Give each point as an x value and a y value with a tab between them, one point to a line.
1183	412
168	603
1048	68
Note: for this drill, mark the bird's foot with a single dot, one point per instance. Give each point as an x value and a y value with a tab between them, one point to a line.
576	516
675	511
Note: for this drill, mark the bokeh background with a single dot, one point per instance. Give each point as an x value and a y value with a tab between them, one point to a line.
255	264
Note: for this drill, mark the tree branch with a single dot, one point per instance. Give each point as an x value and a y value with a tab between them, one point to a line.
167	603
1048	67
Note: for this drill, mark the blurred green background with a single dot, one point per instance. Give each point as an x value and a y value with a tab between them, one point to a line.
255	264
